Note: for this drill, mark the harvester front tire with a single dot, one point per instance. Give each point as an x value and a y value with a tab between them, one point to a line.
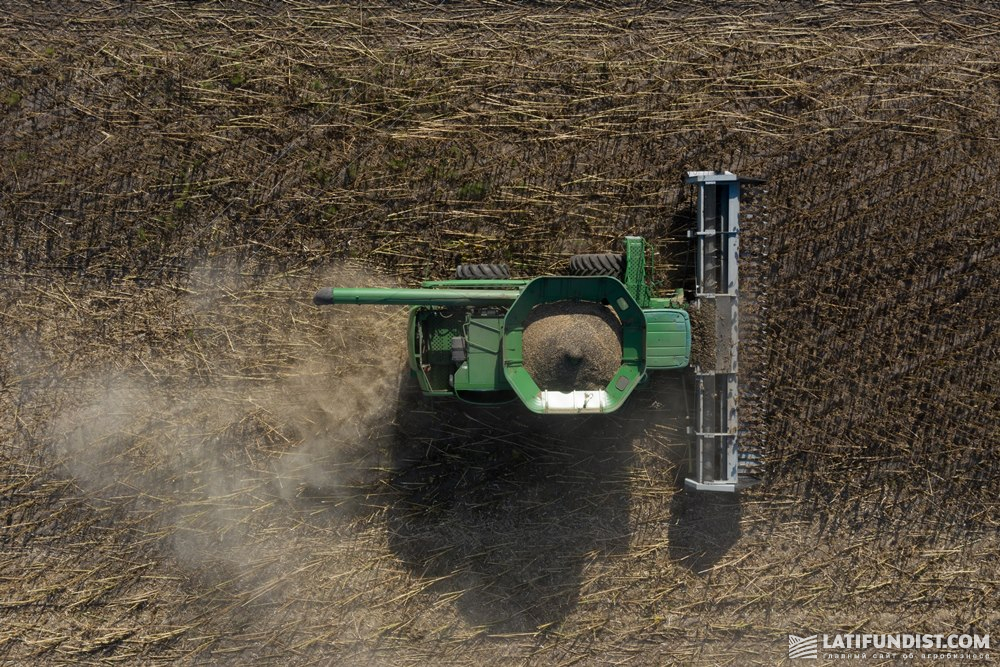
482	272
605	264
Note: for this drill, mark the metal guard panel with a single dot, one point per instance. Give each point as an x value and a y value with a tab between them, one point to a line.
668	338
483	369
726	487
636	270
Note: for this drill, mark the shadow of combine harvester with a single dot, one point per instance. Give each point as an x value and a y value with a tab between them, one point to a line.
503	508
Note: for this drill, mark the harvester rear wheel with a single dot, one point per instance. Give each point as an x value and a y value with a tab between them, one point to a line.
606	264
482	272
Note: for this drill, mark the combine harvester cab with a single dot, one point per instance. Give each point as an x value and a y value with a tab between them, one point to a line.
466	337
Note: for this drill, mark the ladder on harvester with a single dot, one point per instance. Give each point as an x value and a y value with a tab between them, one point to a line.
717	462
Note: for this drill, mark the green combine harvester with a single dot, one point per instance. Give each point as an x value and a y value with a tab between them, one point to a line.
466	337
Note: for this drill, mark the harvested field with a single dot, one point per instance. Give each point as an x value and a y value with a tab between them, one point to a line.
572	345
198	466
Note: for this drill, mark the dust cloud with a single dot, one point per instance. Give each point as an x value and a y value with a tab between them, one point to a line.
266	409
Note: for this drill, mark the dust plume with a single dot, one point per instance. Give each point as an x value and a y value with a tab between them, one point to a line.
291	413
